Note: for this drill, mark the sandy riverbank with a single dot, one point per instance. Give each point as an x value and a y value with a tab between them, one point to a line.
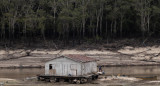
126	56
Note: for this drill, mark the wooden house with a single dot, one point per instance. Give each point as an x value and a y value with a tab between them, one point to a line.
71	65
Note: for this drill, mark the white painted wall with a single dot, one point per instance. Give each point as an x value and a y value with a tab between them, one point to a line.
64	67
89	67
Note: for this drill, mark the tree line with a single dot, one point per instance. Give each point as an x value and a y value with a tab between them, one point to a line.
76	20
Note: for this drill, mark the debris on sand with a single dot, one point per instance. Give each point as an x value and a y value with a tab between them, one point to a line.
154	82
119	78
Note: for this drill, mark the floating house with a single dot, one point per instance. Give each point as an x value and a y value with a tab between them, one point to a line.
71	65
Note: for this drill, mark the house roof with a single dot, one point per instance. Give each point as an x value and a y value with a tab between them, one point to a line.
80	58
77	58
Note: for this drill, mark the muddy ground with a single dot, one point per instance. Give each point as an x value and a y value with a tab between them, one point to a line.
115	82
126	52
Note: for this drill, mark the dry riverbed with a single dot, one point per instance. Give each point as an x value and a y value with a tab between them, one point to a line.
126	56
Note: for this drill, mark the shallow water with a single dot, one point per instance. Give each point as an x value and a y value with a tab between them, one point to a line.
20	73
133	70
128	71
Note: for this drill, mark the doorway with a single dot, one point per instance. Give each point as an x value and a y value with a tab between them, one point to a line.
52	70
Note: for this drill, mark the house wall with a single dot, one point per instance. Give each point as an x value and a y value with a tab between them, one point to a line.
89	67
64	67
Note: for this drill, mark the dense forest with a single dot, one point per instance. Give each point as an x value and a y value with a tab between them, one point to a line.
76	20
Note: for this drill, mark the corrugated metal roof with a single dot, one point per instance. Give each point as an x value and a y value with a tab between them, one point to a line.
80	58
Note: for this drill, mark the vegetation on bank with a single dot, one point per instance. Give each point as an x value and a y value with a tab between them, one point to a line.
76	20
